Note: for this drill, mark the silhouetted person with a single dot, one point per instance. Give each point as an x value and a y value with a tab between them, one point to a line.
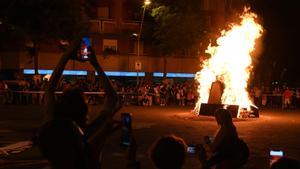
65	139
229	151
286	163
168	152
287	98
61	139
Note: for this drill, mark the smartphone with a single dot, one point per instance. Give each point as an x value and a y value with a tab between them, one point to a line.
126	129
126	120
275	155
191	149
85	48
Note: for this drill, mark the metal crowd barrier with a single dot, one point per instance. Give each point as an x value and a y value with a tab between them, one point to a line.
36	97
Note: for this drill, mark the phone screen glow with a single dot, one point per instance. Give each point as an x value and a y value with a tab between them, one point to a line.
276	153
191	150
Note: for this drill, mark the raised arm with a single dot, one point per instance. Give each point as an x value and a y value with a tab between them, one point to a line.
100	128
111	103
55	77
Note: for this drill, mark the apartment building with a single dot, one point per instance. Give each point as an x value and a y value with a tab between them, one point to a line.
114	28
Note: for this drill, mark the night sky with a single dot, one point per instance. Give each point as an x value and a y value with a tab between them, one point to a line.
282	39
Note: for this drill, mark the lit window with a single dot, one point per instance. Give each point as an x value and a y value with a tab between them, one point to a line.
110	44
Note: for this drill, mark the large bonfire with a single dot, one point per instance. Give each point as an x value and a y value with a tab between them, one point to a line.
230	63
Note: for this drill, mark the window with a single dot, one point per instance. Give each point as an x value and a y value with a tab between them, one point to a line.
103	12
110	46
208	5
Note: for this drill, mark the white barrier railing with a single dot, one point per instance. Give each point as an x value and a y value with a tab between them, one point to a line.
263	99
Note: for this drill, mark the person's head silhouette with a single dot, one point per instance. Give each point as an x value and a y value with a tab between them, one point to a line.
71	105
286	163
168	152
223	117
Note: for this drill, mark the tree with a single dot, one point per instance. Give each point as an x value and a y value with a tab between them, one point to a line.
179	26
42	21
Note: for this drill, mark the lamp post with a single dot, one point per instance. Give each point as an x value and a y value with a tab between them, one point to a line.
146	3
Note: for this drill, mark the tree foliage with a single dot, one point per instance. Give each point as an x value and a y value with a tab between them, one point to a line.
44	20
178	25
41	21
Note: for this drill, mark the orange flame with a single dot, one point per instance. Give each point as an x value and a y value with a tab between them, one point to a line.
230	63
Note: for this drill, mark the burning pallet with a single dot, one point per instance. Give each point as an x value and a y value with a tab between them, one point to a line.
207	109
214	103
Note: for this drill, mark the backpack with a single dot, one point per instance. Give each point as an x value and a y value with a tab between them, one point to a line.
240	155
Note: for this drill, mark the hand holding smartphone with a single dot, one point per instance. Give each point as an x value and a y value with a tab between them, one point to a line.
126	129
198	150
84	50
191	149
275	155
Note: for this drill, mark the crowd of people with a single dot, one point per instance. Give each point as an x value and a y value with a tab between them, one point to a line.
284	97
162	93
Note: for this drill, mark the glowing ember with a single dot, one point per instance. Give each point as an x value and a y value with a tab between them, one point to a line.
230	63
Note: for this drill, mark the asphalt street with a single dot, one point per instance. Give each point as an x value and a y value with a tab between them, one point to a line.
275	129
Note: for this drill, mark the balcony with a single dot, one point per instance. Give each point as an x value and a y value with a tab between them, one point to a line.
111	26
130	25
103	26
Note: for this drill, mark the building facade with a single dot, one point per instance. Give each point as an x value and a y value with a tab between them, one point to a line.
113	26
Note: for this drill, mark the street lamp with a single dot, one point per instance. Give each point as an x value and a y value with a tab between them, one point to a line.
138	66
147	2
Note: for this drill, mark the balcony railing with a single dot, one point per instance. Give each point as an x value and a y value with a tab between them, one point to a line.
131	25
110	26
